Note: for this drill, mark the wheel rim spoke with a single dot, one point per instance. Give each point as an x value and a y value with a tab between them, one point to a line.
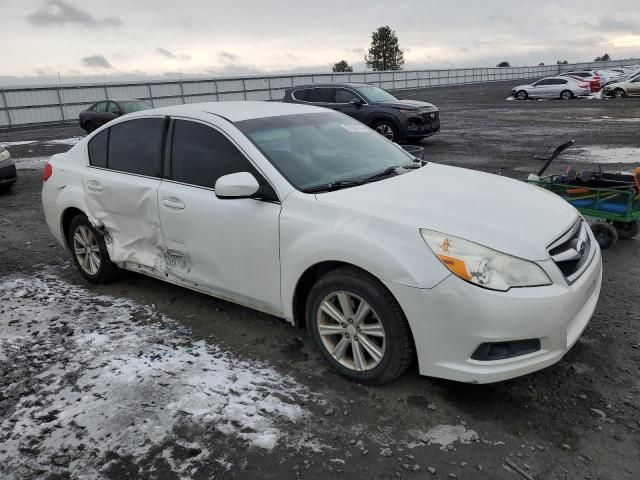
345	304
361	313
372	329
371	348
331	330
340	349
358	356
330	310
78	238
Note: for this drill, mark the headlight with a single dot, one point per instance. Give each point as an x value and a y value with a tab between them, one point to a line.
483	266
407	112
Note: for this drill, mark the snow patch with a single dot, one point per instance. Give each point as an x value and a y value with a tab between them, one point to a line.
64	141
35	163
108	376
598	154
18	143
445	435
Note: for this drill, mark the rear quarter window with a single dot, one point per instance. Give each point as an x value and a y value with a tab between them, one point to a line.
98	149
301	95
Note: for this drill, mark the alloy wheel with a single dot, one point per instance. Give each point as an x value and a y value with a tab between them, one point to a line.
351	331
87	250
566	95
385	130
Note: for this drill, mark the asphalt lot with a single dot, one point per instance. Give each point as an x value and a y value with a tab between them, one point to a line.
141	379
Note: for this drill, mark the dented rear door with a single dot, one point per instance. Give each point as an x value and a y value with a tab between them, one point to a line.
121	189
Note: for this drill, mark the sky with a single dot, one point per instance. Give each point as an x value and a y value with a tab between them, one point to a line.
117	40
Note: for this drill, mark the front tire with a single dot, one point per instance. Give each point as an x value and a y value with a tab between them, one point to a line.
566	95
89	251
387	129
522	95
619	93
359	327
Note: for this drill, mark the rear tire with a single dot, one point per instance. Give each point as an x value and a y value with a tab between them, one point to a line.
619	93
5	189
605	233
355	311
89	251
522	95
627	229
566	95
387	129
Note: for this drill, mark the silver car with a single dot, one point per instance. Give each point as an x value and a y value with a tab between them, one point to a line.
624	87
565	88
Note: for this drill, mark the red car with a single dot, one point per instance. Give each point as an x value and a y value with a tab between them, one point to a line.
590	76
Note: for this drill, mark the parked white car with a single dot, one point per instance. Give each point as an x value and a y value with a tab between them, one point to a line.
307	214
565	88
624	87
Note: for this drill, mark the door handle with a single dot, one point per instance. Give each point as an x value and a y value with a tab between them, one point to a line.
173	203
94	186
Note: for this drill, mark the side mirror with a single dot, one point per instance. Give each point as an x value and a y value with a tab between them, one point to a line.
356	102
236	185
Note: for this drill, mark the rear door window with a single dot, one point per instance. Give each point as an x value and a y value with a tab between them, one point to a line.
345	96
323	95
135	146
113	108
200	155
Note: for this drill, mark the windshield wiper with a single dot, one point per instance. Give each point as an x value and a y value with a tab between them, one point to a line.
337	185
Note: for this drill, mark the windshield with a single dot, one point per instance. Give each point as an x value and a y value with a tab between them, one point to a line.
375	94
130	107
316	149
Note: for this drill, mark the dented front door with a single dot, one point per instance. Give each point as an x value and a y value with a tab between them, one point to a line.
228	247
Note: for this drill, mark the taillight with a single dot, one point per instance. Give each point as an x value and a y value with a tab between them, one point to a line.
583	85
47	172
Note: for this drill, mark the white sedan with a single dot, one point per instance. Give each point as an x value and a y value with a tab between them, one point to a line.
309	215
564	88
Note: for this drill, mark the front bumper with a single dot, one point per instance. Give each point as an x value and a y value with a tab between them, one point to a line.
450	321
8	174
420	125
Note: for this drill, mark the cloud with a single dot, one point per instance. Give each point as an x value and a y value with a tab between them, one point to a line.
58	12
96	61
172	56
612	24
228	57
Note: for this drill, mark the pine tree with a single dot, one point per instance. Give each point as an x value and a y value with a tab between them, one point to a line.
384	53
342	66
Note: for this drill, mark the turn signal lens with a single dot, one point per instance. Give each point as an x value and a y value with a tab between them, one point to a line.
483	266
47	172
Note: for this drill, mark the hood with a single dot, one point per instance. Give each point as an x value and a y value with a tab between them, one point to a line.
501	213
408	104
521	87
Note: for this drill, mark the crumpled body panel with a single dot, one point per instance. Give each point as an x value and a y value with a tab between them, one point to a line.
125	208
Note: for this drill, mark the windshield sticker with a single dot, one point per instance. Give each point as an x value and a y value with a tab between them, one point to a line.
355	127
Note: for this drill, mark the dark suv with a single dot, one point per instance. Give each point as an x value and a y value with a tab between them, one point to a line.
395	119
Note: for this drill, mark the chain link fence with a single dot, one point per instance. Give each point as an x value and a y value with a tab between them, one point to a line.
21	106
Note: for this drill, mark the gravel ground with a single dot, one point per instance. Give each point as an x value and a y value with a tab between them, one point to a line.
141	379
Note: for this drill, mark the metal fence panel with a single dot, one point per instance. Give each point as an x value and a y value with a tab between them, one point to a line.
62	103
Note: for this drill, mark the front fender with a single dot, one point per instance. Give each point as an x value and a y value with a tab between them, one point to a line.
312	232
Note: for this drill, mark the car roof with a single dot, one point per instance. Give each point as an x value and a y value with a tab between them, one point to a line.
235	111
316	85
